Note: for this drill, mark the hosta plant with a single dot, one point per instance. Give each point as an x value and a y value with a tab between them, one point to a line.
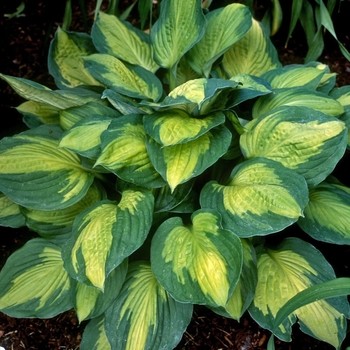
170	168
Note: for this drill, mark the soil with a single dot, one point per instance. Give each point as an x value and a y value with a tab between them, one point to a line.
24	45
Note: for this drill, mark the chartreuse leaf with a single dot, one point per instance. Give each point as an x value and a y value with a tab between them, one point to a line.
122	40
175	126
60	99
84	136
196	96
302	139
36	113
327	215
144	315
287	270
71	116
199	263
90	302
10	213
296	75
225	26
133	81
105	234
51	224
253	54
33	282
297	96
124	152
261	197
64	60
244	292
180	26
51	178
94	336
179	163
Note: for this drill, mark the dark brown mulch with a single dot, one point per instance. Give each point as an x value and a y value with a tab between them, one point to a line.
23	50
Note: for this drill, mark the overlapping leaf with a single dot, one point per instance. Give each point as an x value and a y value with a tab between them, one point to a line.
283	272
145	316
261	197
51	178
327	215
302	139
10	213
124	152
198	263
33	282
122	40
94	336
105	234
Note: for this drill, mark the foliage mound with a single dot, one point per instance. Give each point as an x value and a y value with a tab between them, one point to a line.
168	169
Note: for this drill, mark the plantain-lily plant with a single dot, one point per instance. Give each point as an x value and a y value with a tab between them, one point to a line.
171	168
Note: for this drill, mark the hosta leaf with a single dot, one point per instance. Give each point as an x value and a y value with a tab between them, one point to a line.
105	234
10	213
124	152
174	126
198	263
33	282
51	224
244	292
84	136
296	76
302	139
94	336
145	316
73	115
90	302
327	215
50	178
60	99
64	60
178	164
261	197
225	26
253	54
297	96
122	40
133	81
36	113
283	272
180	25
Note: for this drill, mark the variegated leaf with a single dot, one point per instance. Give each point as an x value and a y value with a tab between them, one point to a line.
199	263
297	96
253	54
261	197
52	224
180	25
124	152
144	315
64	60
51	178
94	336
60	99
327	215
283	272
90	302
84	137
225	26
33	282
302	139
105	234
124	41
174	126
133	81
10	213
179	163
